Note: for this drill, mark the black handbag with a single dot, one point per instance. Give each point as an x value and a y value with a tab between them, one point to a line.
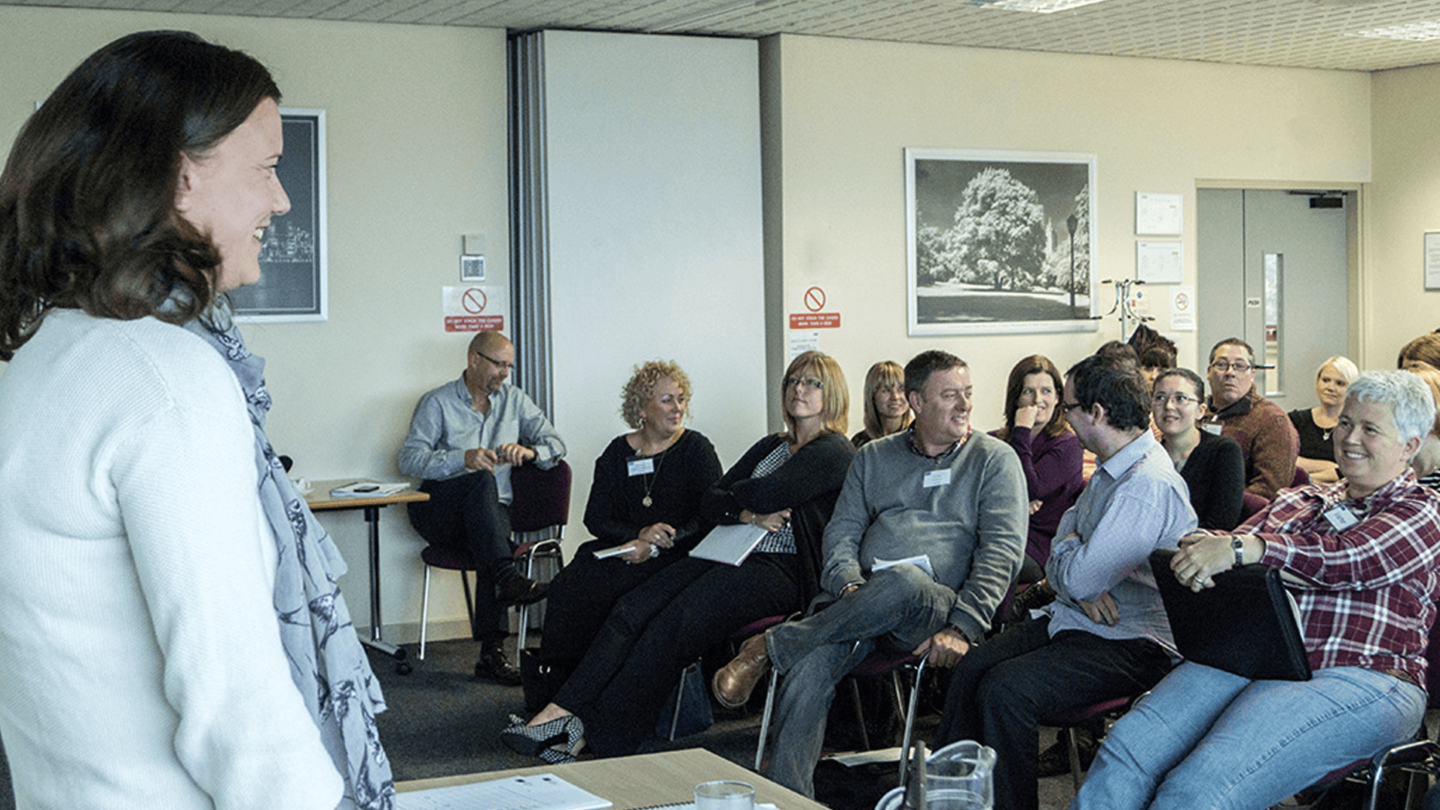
1246	625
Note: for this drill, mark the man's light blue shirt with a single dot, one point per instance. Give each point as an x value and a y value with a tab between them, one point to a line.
1135	503
444	426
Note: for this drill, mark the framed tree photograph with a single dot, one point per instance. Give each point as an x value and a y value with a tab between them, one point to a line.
1000	241
293	273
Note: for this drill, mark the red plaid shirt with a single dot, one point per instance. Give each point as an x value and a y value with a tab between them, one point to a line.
1368	598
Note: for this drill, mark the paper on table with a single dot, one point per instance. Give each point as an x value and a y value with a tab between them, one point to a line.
368	489
729	544
543	792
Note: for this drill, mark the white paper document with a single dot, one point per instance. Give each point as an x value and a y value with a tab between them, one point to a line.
613	551
368	489
729	544
543	792
921	561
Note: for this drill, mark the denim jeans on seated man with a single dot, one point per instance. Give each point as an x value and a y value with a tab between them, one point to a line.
895	611
938	493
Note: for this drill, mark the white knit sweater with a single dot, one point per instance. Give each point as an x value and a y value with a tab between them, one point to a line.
140	661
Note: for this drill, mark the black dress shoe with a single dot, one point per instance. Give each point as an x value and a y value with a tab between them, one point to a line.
1055	760
518	590
493	665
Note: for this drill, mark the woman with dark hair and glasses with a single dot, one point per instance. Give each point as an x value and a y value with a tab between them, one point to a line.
1212	465
171	634
787	484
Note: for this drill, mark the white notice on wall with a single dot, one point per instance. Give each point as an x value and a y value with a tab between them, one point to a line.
802	341
1159	214
1161	262
1182	308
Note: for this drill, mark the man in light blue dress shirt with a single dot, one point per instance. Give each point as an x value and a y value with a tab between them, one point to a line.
1106	635
464	439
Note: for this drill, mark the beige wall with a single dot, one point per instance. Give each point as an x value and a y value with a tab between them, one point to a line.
416	124
840	114
1403	203
416	119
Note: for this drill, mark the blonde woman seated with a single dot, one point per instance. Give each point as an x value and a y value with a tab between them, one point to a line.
787	484
1362	558
1317	452
644	499
886	409
1212	465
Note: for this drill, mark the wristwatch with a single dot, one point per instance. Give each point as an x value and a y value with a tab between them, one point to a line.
1238	543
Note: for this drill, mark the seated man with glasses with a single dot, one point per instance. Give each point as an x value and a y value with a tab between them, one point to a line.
1259	426
1106	635
465	437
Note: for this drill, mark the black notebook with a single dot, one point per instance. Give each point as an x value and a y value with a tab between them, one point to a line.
1247	624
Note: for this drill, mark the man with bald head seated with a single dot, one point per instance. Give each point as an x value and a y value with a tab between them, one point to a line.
464	439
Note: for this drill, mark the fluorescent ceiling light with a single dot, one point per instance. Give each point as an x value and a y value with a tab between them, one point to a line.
1413	32
1037	6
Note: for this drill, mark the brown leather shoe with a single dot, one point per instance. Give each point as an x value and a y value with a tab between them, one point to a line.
734	682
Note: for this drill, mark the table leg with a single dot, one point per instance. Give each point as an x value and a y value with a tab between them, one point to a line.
372	517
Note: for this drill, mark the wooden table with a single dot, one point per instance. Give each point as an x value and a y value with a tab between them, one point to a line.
644	780
320	500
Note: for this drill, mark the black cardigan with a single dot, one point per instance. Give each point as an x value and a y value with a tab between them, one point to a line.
808	485
1215	474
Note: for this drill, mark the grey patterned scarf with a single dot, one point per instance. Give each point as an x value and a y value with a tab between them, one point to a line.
326	660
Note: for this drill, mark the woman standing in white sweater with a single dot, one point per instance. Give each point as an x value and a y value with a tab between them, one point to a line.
141	660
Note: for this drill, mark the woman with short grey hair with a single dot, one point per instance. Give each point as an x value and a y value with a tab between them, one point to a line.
1362	559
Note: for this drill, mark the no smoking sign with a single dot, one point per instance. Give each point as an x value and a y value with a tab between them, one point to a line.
474	309
814	300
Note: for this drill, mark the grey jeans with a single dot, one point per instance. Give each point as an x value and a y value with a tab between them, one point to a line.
899	607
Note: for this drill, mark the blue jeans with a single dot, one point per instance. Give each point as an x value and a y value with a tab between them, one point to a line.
900	606
1207	738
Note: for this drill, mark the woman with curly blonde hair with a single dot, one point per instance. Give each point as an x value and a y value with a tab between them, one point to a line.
786	484
643	511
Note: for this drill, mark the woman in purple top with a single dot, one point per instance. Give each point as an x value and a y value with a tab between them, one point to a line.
1049	453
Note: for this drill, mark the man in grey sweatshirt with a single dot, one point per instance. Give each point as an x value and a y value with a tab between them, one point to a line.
924	541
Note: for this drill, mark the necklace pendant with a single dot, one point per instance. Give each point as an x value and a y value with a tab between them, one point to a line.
646	502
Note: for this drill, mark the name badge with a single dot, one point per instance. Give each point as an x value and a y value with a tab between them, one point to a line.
1211	427
937	478
1340	518
644	466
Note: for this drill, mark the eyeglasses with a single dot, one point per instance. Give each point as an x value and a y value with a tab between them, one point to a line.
497	363
1067	407
809	382
1239	366
1180	400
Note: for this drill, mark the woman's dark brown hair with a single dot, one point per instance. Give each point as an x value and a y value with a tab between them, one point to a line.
1034	364
87	196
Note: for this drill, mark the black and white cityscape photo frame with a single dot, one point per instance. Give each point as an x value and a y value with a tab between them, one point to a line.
293	272
1000	242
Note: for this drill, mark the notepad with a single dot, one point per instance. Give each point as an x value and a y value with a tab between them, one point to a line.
368	489
545	791
729	544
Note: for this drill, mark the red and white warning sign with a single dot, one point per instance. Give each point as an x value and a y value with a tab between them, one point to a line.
475	309
814	300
